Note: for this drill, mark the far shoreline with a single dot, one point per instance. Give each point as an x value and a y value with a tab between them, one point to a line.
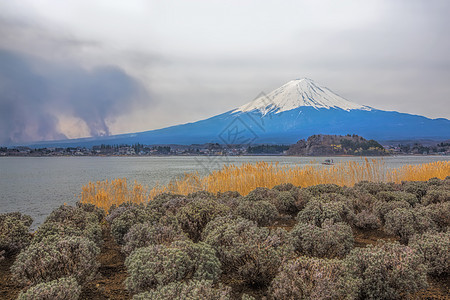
244	155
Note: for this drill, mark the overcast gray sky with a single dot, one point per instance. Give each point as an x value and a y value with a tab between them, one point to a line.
77	68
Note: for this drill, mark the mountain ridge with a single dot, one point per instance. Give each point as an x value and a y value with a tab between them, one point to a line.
298	109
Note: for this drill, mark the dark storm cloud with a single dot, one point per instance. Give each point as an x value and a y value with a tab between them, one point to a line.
33	92
23	106
93	96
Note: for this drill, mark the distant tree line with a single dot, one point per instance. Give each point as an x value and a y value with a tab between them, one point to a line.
364	145
417	148
267	149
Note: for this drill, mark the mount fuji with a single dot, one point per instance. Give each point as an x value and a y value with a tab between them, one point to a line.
296	110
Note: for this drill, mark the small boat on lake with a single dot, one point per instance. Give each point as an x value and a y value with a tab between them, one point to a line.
328	162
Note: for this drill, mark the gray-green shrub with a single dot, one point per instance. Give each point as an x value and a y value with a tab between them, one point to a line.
251	253
317	212
25	219
405	222
230	199
261	194
367	220
228	235
194	216
434	248
373	187
191	290
333	240
313	278
439	213
434	182
261	212
381	208
285	203
360	200
389	196
52	259
164	197
91	208
284	187
155	265
128	217
302	198
201	195
172	206
146	234
68	220
387	271
206	264
14	232
437	194
228	195
418	188
159	202
65	288
92	231
115	212
331	197
76	216
320	189
263	255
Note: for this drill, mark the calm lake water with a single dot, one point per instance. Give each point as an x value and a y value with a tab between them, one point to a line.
37	185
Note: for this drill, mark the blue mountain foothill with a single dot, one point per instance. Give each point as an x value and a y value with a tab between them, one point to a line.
297	110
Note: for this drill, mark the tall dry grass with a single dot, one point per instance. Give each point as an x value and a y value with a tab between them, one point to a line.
247	177
106	193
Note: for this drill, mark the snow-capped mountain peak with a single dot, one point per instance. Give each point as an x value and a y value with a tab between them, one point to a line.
297	93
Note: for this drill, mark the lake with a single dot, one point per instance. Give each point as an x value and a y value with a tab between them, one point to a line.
37	185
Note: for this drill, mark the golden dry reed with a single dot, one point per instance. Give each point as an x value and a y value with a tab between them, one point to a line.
106	193
247	177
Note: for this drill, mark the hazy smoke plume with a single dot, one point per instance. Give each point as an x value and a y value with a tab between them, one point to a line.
33	93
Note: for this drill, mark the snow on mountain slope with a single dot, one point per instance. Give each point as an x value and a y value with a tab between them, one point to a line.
298	93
